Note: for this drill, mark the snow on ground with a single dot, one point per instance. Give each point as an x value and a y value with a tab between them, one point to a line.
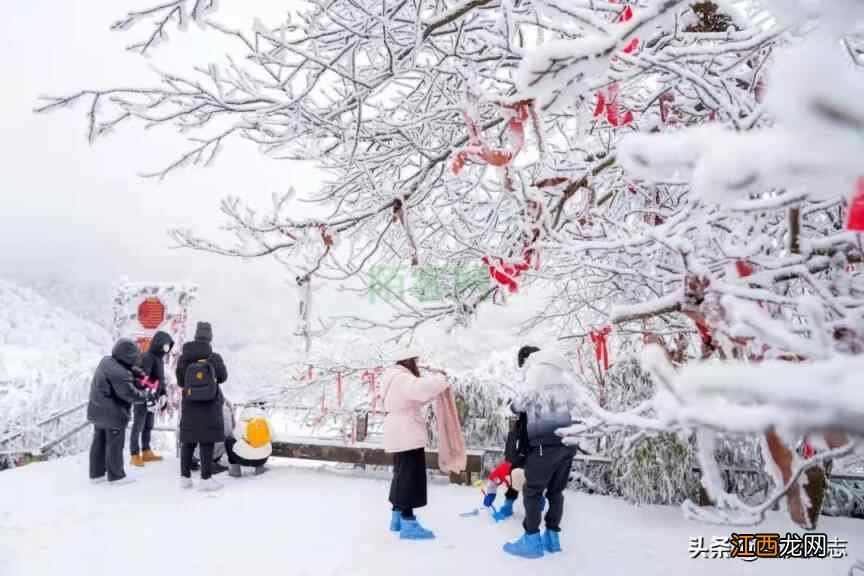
296	521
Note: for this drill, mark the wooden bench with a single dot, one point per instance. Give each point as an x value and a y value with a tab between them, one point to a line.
364	454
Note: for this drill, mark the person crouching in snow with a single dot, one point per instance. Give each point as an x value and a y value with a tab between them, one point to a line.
502	475
547	397
153	365
405	393
510	471
250	446
112	393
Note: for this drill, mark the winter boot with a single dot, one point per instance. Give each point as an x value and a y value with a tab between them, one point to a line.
551	542
209	485
150	456
260	470
396	521
185	483
412	530
235	471
218	468
528	546
505	511
137	460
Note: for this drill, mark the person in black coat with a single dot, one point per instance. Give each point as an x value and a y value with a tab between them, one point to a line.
112	393
200	422
153	366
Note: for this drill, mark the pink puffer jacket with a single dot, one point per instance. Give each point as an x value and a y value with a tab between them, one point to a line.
405	395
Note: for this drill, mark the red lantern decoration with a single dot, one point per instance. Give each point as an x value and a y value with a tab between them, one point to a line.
151	313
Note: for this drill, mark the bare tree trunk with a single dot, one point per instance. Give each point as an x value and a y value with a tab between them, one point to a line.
795	230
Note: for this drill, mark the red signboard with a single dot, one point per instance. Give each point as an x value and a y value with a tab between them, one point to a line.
151	313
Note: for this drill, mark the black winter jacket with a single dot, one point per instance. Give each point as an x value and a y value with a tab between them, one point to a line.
516	446
153	361
112	391
201	421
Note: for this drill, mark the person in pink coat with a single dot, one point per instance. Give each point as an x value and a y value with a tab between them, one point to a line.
406	392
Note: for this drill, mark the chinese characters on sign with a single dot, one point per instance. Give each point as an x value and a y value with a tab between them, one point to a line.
749	547
424	283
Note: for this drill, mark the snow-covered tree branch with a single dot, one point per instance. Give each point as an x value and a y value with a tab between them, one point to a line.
679	173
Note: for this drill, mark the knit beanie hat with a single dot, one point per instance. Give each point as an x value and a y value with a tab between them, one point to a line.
204	332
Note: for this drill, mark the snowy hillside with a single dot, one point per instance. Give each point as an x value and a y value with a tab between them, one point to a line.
47	356
302	522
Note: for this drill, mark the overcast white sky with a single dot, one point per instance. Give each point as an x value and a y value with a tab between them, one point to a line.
79	214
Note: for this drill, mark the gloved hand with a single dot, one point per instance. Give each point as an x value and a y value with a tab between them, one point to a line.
489	499
150	400
137	372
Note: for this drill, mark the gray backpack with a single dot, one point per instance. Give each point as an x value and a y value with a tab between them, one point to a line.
200	384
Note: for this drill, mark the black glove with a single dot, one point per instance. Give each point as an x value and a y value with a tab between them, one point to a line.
150	399
138	372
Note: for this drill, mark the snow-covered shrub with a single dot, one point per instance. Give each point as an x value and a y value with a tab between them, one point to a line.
654	468
648	468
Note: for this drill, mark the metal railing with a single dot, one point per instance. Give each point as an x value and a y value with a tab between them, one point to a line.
41	429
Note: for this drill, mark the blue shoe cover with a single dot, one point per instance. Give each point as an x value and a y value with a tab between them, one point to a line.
504	512
412	530
551	542
528	546
396	521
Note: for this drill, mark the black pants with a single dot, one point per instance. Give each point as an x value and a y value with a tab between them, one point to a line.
186	451
233	458
408	487
511	494
546	470
106	453
142	426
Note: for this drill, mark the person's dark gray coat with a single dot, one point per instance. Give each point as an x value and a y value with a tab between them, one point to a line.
112	391
201	421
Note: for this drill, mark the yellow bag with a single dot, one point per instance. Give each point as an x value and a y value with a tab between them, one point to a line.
257	433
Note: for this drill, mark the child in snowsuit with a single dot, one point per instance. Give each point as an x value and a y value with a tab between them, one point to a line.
112	394
547	398
509	472
250	445
405	393
153	366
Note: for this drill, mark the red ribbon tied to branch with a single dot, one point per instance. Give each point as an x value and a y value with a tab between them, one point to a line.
743	268
505	274
855	223
807	450
370	377
608	102
478	151
601	349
